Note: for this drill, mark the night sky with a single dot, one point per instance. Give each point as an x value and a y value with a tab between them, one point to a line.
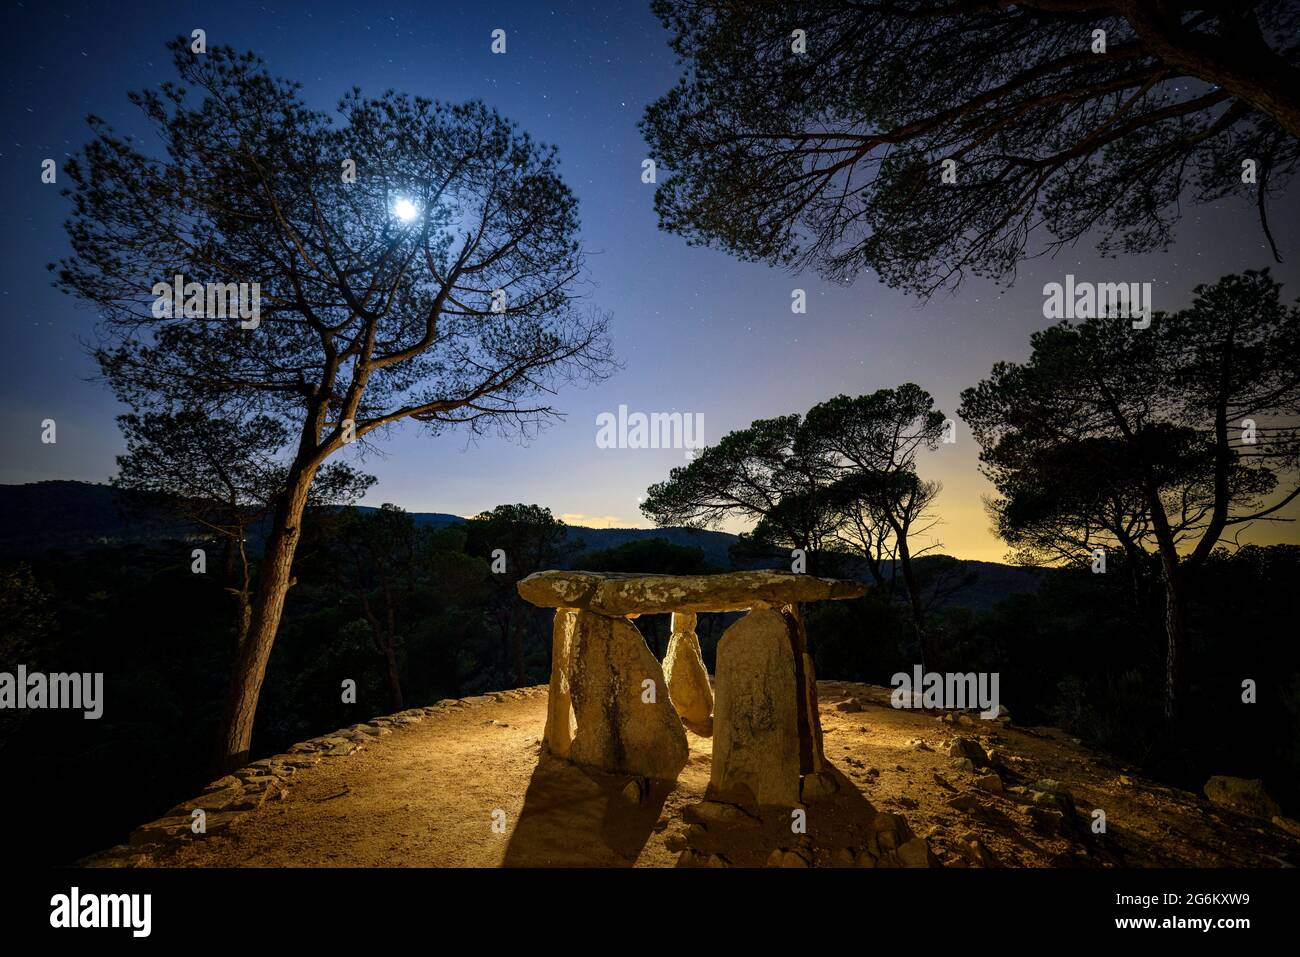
696	330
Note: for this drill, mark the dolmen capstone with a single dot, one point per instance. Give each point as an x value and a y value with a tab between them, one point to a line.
607	709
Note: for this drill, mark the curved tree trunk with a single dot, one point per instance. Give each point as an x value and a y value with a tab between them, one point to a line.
1237	59
1175	630
235	734
1175	625
914	601
385	639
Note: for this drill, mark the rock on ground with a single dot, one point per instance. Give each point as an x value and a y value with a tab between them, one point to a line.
1242	794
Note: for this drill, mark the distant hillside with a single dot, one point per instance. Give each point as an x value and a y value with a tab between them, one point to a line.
715	545
990	583
67	515
72	516
432	519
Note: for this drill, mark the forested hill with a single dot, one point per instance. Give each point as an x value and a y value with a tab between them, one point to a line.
74	516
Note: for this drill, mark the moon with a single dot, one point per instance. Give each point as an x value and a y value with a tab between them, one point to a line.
405	210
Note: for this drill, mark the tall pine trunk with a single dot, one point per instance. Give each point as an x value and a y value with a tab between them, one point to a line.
394	676
914	601
1175	623
236	730
1175	630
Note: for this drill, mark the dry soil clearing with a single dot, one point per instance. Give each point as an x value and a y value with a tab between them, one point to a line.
425	796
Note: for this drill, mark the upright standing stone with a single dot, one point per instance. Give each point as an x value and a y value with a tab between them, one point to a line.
558	736
688	680
812	759
756	714
623	727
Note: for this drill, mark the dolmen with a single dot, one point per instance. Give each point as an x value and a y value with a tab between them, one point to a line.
607	707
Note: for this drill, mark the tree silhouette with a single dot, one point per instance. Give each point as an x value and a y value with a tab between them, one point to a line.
437	284
844	474
871	442
769	473
530	539
223	477
1154	441
928	141
385	554
30	623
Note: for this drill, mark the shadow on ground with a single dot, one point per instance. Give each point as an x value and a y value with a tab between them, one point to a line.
832	829
577	817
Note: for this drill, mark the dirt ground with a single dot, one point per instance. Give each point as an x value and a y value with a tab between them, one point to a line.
425	796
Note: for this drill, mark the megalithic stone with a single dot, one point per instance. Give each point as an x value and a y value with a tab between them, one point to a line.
812	759
624	726
688	680
558	736
756	714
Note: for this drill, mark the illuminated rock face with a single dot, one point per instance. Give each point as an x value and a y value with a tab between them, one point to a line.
619	595
756	718
558	737
625	720
688	681
613	708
